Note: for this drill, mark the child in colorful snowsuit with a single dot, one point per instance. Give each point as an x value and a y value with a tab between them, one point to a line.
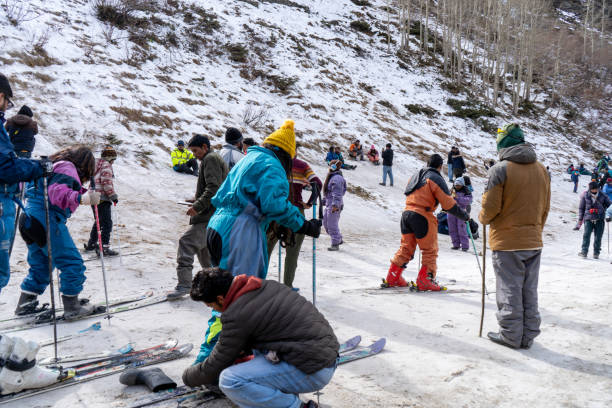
457	228
333	190
373	155
71	168
103	181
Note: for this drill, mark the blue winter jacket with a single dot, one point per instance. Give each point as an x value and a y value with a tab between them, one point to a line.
332	156
607	190
254	193
14	169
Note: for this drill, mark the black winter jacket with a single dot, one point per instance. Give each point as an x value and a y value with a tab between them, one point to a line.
21	130
270	318
387	156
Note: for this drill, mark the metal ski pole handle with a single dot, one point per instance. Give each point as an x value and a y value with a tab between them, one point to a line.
102	261
484	266
50	263
21	196
469	230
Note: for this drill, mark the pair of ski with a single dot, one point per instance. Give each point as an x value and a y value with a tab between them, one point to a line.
44	317
92	370
348	351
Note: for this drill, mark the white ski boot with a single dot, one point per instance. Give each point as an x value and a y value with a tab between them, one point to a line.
19	371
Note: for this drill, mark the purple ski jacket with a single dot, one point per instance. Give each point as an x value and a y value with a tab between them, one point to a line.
336	188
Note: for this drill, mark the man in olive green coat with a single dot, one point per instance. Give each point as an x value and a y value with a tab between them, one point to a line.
212	173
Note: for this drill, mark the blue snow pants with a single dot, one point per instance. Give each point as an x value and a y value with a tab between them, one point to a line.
66	258
7	229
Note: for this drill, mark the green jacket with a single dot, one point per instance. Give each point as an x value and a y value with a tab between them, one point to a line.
211	175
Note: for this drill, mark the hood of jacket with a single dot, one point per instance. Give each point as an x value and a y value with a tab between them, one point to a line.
240	285
21	121
522	154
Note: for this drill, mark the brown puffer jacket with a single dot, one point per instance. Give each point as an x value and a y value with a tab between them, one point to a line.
516	200
268	318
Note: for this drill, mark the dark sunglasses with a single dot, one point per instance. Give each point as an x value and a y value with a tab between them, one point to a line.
10	103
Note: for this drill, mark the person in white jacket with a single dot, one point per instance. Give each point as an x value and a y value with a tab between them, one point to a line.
232	151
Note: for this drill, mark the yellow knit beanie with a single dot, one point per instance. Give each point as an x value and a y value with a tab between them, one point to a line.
283	138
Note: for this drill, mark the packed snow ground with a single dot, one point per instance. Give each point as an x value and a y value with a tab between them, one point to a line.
433	356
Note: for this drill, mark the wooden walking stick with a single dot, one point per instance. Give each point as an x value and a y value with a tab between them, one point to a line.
484	266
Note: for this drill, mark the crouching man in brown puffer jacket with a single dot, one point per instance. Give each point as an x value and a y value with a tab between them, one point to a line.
294	347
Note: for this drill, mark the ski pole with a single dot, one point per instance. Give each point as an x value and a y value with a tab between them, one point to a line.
50	262
117	235
314	259
484	266
102	261
280	259
21	196
467	224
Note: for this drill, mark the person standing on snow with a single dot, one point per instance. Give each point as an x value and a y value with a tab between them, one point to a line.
592	210
449	163
72	167
575	177
387	156
301	176
515	203
425	190
457	228
103	182
212	173
294	347
607	188
458	164
254	194
12	171
231	152
22	129
183	160
334	189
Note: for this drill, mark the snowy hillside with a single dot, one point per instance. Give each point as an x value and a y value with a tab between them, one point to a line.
191	74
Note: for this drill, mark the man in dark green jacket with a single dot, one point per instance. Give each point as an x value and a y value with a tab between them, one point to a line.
212	173
294	347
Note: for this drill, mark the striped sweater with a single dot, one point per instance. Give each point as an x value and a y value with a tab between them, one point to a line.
302	176
103	180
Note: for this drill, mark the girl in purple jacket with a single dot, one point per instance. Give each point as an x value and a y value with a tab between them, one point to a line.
457	228
334	189
71	168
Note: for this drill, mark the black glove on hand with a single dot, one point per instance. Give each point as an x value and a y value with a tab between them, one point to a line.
47	167
311	228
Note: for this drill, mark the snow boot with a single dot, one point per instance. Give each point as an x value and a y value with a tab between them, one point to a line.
90	246
20	371
178	292
595	256
394	276
27	304
154	378
497	338
74	308
107	251
426	282
582	254
334	247
309	404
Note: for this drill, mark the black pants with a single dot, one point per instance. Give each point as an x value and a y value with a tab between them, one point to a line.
106	224
190	167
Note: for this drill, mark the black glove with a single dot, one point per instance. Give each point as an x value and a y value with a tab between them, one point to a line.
154	378
459	213
47	167
608	219
311	228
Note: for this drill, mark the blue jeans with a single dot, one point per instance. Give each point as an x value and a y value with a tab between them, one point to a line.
450	172
7	225
388	170
259	383
575	186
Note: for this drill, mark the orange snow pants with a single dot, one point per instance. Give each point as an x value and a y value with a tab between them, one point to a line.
421	230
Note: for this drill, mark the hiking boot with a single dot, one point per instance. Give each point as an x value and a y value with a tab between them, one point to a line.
582	254
27	304
394	276
595	256
334	247
75	307
381	184
497	338
425	281
455	248
107	251
464	249
309	404
90	247
178	292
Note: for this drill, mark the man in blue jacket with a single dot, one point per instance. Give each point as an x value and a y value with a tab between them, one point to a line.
255	193
12	171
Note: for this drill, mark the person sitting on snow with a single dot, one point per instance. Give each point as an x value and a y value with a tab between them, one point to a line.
294	347
457	228
425	190
72	167
356	151
183	160
338	155
373	155
331	154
